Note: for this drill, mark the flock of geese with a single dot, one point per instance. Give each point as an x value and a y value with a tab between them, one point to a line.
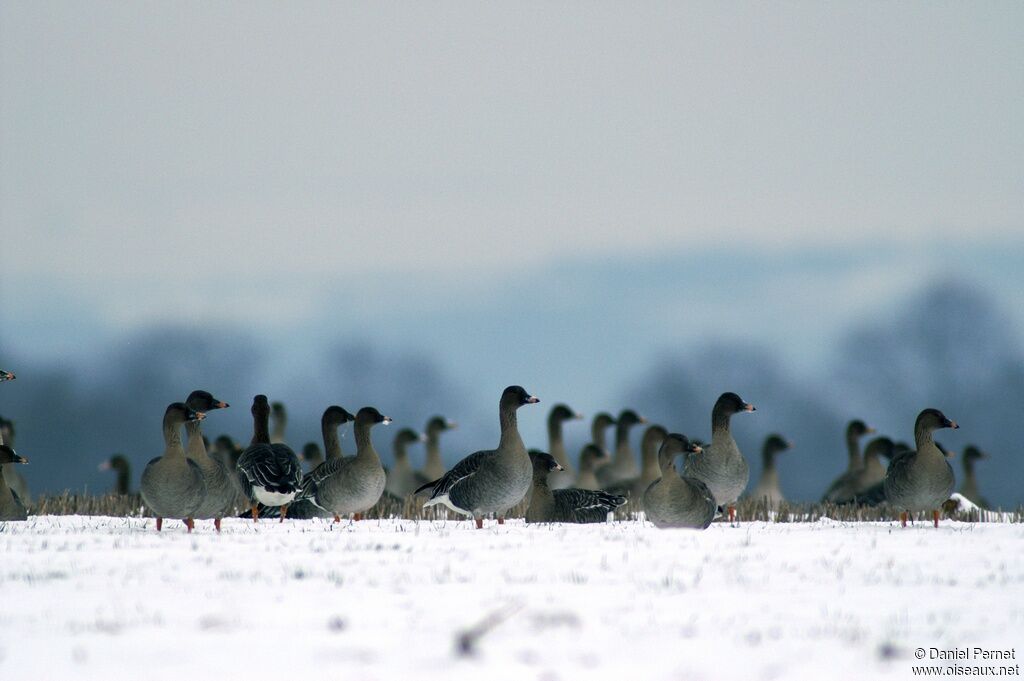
195	480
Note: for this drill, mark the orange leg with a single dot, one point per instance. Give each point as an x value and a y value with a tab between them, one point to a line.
903	519
732	514
356	517
216	524
479	523
935	517
190	524
159	524
501	520
284	512
337	518
255	513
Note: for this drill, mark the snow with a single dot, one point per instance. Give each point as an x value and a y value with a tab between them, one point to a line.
103	598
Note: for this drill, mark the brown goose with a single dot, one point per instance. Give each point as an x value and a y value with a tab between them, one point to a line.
969	487
767	488
561	477
843	488
623	465
921	479
434	466
172	484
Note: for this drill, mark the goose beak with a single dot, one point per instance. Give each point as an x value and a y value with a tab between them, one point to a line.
950	424
386	420
869	430
532	400
789	444
696	449
451	425
558	467
578	416
6	376
20	459
749	407
105	466
222	405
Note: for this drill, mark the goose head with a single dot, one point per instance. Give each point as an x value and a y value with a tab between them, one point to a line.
674	445
857	429
179	412
562	412
592	456
6	376
972	453
516	396
933	419
407	436
200	400
731	403
629	418
118	462
336	416
8	455
880	446
311	452
369	416
278	411
439	424
260	407
543	463
224	444
776	443
653	436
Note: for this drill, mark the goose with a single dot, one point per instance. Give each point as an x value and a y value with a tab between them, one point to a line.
15	480
350	484
434	466
842	488
559	414
312	455
493	480
565	505
172	484
270	474
402	480
221	491
279	422
650	471
6	376
227	451
591	458
873	471
767	487
623	465
921	479
120	465
969	487
11	505
598	427
674	500
722	467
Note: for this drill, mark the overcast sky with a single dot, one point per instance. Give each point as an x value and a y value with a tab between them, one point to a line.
203	161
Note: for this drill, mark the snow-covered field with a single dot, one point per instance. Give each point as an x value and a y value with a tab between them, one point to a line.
109	598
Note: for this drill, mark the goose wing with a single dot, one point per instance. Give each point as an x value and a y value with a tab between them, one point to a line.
586	500
459	472
316	477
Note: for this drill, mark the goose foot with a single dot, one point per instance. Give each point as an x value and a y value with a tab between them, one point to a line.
935	518
284	513
356	517
479	523
159	524
190	524
255	513
216	524
732	514
903	519
337	518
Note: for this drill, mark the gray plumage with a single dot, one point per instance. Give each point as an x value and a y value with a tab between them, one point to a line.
11	505
493	480
623	464
434	468
721	466
591	458
674	500
402	479
15	480
843	488
172	485
220	488
921	479
650	471
557	417
270	474
767	487
877	455
565	505
969	486
349	484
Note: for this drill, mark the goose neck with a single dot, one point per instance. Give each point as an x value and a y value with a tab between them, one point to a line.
332	443
172	437
853	449
195	444
509	429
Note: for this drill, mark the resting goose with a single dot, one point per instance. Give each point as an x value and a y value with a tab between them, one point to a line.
767	488
220	489
120	465
623	465
402	479
842	488
674	500
351	484
11	506
565	505
591	458
434	466
15	480
278	422
173	485
921	479
493	480
270	474
873	472
722	467
969	487
650	471
560	413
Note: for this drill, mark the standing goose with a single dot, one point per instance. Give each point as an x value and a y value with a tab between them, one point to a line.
493	480
402	479
11	506
767	487
842	488
674	500
591	458
650	471
873	472
279	423
565	505
172	484
722	467
120	465
350	484
434	466
228	452
598	427
623	465
559	414
969	487
921	479
15	480
220	489
270	474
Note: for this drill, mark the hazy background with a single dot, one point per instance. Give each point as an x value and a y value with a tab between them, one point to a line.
412	206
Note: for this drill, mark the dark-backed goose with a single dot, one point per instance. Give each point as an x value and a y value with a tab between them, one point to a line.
120	465
11	506
220	489
674	500
767	487
350	484
434	466
921	479
493	480
842	488
172	484
722	467
591	459
559	414
565	505
15	480
969	487
270	473
402	479
623	465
